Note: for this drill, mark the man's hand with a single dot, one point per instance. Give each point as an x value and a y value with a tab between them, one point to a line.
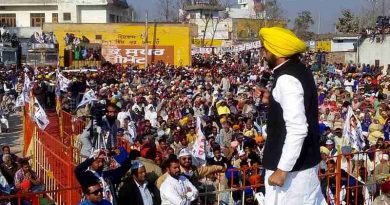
277	178
263	93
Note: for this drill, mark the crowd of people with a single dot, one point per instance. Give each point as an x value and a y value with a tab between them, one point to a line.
147	122
155	111
17	176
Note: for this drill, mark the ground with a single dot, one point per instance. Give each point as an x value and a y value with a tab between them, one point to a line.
13	137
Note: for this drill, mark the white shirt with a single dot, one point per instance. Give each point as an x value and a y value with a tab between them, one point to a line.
348	85
146	196
288	92
177	192
121	117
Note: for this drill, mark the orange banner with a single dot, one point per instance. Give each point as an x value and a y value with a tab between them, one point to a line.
137	54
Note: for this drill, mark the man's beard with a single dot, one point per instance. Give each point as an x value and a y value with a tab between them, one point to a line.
175	175
111	120
272	62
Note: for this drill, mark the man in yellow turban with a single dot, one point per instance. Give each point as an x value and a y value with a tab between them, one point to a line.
292	148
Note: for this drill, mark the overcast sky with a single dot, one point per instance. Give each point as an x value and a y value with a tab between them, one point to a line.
328	10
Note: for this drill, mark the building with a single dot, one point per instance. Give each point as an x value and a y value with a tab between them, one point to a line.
375	51
33	13
220	26
249	9
342	49
245	29
211	20
344	43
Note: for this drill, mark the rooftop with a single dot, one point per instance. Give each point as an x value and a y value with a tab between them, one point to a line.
121	3
329	36
211	5
204	7
16	2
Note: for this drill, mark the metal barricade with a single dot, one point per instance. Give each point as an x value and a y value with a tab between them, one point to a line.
354	179
35	198
361	176
52	160
72	128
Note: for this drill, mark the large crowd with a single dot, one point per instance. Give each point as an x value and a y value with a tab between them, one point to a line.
147	122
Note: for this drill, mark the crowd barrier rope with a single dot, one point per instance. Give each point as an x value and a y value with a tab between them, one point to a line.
354	180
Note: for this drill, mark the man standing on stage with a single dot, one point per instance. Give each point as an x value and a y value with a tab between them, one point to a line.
292	149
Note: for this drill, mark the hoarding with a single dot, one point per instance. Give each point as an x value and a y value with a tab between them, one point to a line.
124	43
137	54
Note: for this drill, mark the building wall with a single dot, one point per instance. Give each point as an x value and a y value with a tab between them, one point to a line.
123	43
248	29
82	11
346	45
95	14
23	13
207	42
370	51
125	15
351	57
221	32
342	57
68	8
324	45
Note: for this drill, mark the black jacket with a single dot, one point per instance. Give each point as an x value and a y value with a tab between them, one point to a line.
113	175
276	126
129	193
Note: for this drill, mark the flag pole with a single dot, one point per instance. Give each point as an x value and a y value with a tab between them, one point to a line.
146	40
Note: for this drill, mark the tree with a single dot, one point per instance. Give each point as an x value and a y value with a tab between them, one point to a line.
169	9
222	16
210	20
371	11
348	22
273	10
302	24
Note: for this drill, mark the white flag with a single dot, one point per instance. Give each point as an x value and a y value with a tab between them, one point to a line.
26	88
19	101
40	116
63	82
353	131
87	98
198	150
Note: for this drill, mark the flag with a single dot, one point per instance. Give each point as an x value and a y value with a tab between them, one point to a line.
353	130
198	150
63	82
40	116
19	101
26	88
87	98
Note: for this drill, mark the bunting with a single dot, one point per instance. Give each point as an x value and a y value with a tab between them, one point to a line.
353	131
88	97
40	116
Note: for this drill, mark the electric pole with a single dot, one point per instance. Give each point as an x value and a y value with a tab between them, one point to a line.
146	40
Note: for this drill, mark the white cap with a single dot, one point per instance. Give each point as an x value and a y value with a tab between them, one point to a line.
184	152
329	142
160	133
136	164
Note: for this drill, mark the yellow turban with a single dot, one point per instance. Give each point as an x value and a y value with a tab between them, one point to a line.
183	121
324	150
281	42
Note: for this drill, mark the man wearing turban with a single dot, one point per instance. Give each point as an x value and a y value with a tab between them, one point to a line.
292	149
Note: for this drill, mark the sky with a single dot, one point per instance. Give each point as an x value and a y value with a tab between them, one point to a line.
326	10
